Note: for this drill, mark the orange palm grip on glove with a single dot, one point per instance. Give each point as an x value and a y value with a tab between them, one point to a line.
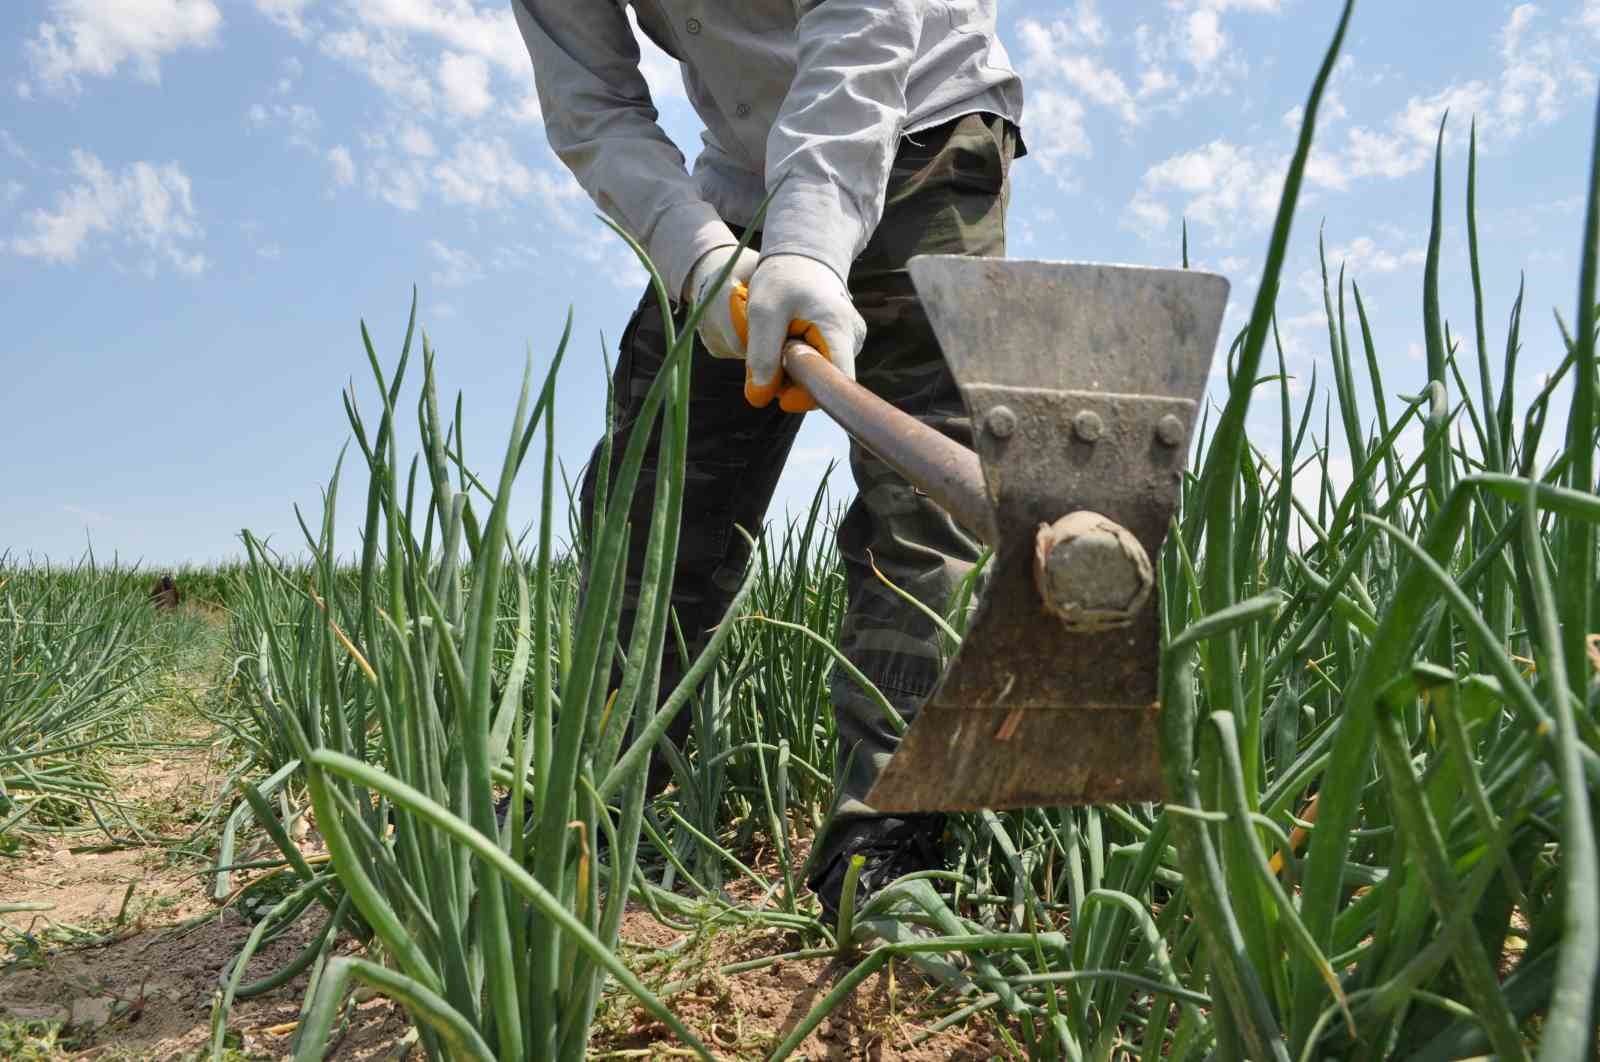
792	398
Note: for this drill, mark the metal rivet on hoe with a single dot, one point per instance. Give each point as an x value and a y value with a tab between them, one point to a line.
1169	429
1088	426
1001	421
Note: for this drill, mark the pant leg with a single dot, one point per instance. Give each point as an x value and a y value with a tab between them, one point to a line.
947	195
735	456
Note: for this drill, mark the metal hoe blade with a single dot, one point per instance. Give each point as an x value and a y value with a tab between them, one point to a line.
1083	383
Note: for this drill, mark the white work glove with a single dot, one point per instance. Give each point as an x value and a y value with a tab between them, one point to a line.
721	339
792	295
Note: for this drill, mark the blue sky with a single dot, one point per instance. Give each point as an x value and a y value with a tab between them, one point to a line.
200	200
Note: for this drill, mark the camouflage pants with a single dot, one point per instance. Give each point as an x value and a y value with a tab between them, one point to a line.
947	194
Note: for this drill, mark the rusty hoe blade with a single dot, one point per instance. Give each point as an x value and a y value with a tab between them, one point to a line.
1083	383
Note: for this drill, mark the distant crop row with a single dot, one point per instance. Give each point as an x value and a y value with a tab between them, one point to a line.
77	644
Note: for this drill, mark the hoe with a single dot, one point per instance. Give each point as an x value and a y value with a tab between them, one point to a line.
1082	382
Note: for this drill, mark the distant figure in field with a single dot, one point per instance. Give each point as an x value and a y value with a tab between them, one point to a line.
165	593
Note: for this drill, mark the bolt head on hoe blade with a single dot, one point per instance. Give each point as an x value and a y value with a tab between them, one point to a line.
1082	382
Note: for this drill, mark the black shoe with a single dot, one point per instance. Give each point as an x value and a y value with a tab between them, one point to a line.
892	847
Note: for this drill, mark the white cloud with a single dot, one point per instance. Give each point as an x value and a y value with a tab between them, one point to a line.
560	194
455	267
397	183
1195	35
344	167
1154	81
95	37
1331	109
488	31
1224	185
1312	479
431	58
1082	28
1060	51
292	69
479	172
1100	84
88	516
465	81
387	62
483	173
286	13
1088	24
564	205
1364	255
1408	142
147	206
1203	38
1542	73
416	141
614	261
1182	54
661	72
526	111
436	56
438	66
1327	170
1148	217
299	119
1260	7
1304	337
1521	16
16	150
1055	130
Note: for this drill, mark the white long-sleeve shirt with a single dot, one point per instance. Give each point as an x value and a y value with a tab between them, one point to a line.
815	91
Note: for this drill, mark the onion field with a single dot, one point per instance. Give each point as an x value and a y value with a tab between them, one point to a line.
424	825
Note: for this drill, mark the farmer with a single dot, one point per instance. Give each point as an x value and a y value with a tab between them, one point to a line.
887	129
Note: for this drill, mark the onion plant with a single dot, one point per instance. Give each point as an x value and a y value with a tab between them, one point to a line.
405	724
74	647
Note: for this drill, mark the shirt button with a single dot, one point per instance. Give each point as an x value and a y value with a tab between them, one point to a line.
693	25
743	110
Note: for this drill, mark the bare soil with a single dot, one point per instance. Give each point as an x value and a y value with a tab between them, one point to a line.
746	1015
127	961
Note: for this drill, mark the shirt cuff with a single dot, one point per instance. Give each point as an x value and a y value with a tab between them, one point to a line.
682	236
811	218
